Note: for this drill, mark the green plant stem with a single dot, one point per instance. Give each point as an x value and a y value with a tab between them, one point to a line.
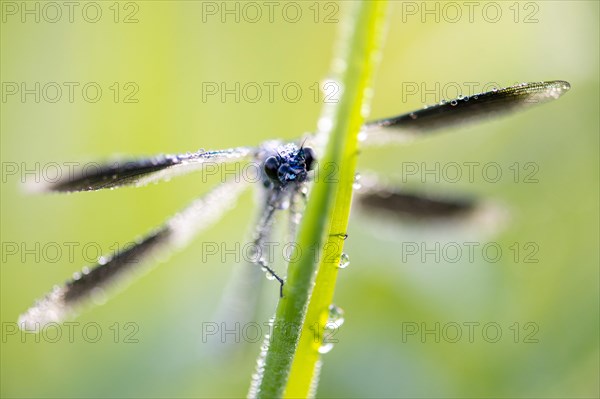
327	208
370	36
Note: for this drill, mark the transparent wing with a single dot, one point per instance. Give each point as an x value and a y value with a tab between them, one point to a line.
465	110
138	172
238	303
63	301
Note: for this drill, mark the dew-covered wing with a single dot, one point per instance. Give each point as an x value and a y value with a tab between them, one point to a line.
138	172
90	283
468	109
413	205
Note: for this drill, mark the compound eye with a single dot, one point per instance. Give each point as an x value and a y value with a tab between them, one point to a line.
271	167
309	157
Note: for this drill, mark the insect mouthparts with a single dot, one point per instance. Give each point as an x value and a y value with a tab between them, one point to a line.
290	164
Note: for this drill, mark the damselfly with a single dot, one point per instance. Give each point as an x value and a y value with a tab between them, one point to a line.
285	172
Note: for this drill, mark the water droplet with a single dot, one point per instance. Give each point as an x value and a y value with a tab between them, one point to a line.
494	89
365	110
263	263
76	275
344	261
297	218
460	96
443	101
413	115
285	204
466	98
325	348
453	102
336	316
356	185
475	96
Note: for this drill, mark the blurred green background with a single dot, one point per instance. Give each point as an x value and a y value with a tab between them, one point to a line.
175	47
